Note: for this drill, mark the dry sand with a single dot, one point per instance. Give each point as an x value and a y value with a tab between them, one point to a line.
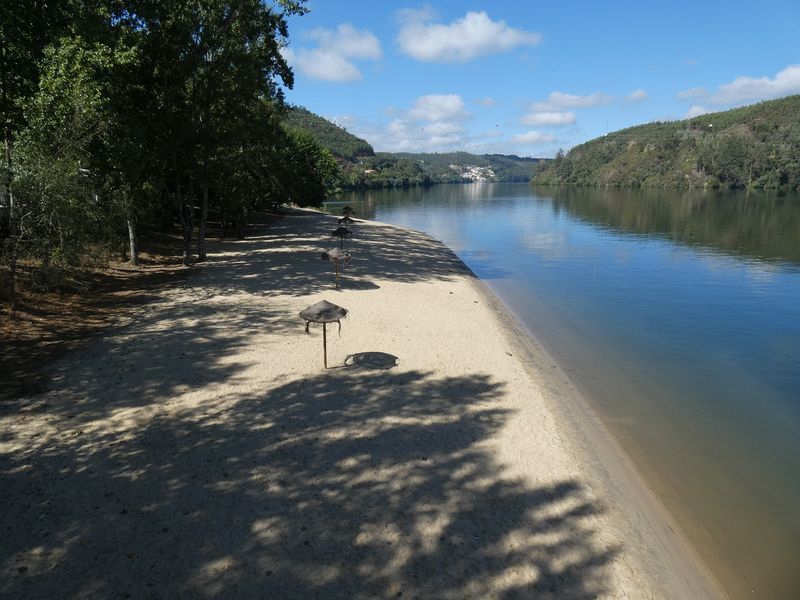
200	450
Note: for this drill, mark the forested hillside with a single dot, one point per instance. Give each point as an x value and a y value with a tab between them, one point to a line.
361	167
404	169
754	146
337	140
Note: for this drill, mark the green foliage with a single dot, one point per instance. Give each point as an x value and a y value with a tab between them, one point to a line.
310	171
67	121
115	112
337	140
754	146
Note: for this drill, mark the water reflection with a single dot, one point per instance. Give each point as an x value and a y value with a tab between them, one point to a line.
762	225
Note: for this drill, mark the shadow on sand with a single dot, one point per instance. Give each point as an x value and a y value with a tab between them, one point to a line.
355	483
351	484
257	265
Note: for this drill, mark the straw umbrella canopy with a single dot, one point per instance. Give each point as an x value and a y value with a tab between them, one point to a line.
341	233
346	220
337	256
347	210
324	312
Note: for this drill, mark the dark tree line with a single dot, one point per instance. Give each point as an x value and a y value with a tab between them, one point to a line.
116	113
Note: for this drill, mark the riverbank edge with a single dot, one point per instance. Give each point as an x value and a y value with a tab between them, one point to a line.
657	542
662	548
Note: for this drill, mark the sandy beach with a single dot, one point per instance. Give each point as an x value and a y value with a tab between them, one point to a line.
199	448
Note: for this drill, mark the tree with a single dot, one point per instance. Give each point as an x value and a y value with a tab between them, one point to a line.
67	121
309	170
206	63
122	107
26	29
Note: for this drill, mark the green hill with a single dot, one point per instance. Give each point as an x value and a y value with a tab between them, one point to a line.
505	167
754	146
343	145
361	167
405	169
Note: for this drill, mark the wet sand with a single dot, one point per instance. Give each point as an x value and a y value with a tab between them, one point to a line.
200	449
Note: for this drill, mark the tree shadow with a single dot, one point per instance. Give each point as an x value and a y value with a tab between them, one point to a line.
350	484
158	475
259	265
179	343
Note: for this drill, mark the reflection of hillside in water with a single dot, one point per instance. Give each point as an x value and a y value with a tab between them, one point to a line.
758	225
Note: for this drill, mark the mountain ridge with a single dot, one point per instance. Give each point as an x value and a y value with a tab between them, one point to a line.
754	146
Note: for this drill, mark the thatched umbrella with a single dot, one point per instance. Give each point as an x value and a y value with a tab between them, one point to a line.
347	211
324	312
346	220
337	256
341	233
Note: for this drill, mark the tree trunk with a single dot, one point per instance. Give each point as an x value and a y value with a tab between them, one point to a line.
239	226
12	276
186	216
201	241
12	222
188	229
132	238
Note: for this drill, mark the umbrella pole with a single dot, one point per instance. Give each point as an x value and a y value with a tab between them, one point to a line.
336	264
324	346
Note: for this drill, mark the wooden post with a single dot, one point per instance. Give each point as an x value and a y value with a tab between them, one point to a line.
324	347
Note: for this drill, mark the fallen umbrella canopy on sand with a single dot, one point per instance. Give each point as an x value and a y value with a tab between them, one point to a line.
324	312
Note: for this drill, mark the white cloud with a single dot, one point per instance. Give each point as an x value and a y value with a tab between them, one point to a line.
406	135
695	110
347	41
331	60
558	101
486	102
636	96
469	37
549	118
438	107
692	94
319	64
439	123
442	128
435	122
748	89
534	137
345	121
742	89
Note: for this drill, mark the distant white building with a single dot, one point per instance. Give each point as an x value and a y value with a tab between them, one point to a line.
474	173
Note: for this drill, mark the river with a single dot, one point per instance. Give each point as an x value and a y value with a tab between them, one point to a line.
678	315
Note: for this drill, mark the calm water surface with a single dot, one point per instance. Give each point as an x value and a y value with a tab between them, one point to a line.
679	315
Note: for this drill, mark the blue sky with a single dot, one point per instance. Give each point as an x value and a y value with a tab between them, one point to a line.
529	77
